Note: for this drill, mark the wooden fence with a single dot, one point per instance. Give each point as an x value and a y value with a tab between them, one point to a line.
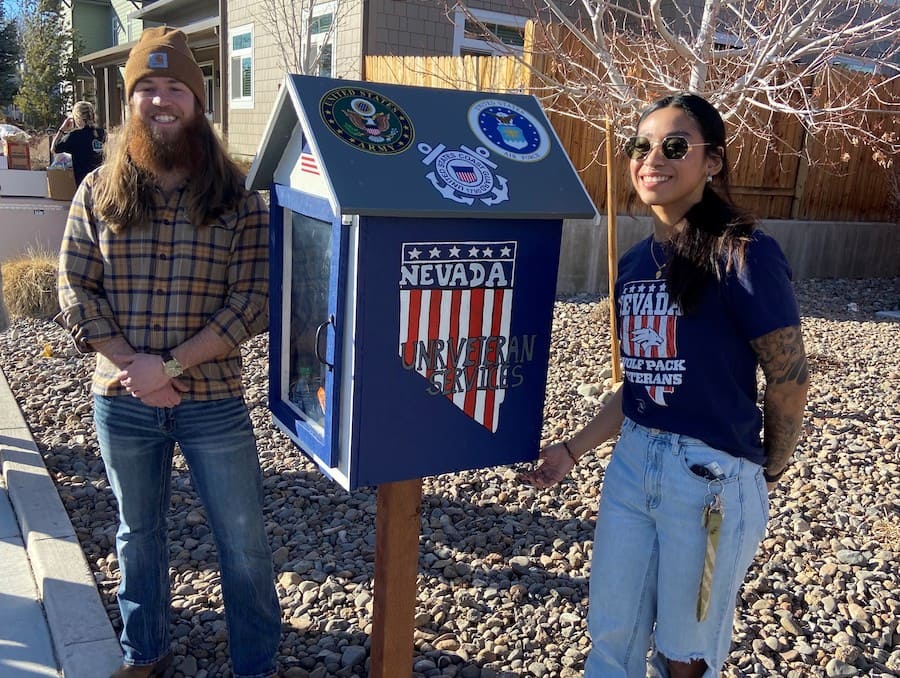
842	183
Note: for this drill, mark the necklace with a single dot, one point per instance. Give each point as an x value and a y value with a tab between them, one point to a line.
659	266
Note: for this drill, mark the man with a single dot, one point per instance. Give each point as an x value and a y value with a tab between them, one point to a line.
163	272
80	138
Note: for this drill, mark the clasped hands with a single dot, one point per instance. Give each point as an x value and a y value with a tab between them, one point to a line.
143	377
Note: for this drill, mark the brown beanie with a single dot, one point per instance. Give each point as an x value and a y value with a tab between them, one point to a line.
163	52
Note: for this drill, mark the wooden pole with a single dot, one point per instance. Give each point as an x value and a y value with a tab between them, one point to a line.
397	529
612	250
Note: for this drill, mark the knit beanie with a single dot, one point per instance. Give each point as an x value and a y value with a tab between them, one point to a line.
163	52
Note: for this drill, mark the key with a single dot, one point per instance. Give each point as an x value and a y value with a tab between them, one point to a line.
712	521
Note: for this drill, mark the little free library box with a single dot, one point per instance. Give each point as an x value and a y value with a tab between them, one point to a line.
415	238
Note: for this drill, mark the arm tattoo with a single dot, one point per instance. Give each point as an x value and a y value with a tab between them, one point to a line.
782	356
783	360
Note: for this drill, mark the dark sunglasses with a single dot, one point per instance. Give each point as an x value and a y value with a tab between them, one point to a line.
673	147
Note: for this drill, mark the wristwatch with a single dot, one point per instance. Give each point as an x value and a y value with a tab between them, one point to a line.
171	366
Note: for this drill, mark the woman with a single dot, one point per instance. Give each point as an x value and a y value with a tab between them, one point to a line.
79	137
700	304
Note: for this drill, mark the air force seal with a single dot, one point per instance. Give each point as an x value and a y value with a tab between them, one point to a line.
509	130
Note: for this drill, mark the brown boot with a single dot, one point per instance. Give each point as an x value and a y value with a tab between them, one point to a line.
155	670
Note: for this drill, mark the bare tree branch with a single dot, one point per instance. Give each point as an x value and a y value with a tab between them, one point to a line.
291	23
752	59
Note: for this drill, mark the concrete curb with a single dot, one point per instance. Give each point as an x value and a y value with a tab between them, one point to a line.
79	628
25	647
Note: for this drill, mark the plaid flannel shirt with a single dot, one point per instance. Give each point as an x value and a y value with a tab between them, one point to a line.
159	285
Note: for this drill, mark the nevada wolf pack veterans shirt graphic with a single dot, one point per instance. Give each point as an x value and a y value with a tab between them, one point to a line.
648	338
456	303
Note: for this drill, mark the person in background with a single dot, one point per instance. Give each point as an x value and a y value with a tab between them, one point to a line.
82	139
700	304
164	273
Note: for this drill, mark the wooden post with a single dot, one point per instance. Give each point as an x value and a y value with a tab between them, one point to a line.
612	250
397	529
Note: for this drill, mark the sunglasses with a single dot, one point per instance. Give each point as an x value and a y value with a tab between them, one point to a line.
673	147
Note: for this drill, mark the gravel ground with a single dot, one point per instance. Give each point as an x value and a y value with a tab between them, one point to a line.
504	568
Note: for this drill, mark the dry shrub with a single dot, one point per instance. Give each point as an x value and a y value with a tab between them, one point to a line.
29	285
40	151
243	164
4	314
888	533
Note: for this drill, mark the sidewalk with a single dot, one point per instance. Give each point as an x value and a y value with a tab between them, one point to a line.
52	622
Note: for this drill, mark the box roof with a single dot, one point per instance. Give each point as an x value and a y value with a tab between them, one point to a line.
378	149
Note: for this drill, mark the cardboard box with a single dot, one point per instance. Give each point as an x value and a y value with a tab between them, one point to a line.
60	184
18	155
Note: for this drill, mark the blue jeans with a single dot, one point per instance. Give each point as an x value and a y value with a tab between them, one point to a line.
216	438
649	550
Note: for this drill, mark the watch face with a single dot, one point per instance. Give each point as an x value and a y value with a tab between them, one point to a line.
172	368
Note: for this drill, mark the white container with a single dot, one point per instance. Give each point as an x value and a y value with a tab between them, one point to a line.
31	223
23	183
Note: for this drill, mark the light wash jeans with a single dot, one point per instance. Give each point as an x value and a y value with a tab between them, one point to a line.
216	438
649	549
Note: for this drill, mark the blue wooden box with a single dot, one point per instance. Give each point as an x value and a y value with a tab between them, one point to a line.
415	240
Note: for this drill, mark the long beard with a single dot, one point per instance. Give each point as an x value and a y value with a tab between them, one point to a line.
159	152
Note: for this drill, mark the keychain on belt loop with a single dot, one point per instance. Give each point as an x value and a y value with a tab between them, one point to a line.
713	513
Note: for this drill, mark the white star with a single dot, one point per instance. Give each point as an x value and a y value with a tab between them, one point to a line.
454	251
488	252
473	252
505	251
414	253
434	252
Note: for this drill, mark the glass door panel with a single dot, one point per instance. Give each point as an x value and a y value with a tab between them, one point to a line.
311	252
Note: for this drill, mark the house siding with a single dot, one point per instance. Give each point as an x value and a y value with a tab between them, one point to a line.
128	29
92	25
182	16
425	28
247	125
409	28
406	27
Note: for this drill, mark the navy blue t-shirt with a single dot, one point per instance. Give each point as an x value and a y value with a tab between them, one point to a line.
85	144
696	374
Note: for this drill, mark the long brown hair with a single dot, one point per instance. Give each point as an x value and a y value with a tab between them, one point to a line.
123	191
716	232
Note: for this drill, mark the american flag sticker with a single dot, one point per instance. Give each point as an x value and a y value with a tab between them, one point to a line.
308	163
455	311
308	174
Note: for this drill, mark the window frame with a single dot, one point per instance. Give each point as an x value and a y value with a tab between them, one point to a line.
328	37
463	45
241	100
